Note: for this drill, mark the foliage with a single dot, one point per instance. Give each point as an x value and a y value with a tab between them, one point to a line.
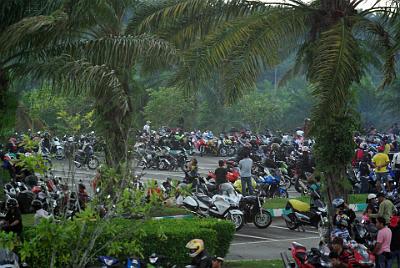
7	113
60	113
63	244
34	163
170	107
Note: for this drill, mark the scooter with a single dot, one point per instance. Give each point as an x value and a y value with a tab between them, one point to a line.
222	206
299	213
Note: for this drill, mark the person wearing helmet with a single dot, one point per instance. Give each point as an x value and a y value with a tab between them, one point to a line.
372	205
342	209
341	228
200	258
40	213
13	220
386	208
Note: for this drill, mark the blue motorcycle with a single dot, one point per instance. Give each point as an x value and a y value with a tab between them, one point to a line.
272	186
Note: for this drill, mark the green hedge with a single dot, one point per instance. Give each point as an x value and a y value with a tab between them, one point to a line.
167	237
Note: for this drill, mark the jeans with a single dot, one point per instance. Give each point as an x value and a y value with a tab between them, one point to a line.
396	257
383	262
382	178
246	180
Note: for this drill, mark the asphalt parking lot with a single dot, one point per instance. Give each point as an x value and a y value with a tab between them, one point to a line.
250	242
253	243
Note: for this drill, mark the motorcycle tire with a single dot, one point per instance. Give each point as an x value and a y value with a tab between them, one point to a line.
288	182
237	219
266	222
59	154
231	151
93	163
292	225
202	149
162	165
298	187
223	151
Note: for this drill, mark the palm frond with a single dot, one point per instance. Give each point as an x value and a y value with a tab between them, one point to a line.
242	50
77	77
33	32
379	39
336	65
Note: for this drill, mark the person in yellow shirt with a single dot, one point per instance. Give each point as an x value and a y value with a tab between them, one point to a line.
380	162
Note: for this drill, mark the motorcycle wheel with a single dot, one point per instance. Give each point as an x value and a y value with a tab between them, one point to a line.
162	165
262	220
231	151
323	232
298	187
237	220
292	225
223	152
59	154
202	149
93	163
288	181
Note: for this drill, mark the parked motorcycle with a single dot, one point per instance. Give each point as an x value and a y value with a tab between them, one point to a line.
309	259
254	212
57	149
222	206
299	214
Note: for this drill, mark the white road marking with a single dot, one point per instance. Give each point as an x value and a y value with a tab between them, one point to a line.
274	240
256	237
285	228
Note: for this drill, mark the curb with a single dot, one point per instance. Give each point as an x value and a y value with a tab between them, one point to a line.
173	217
281	211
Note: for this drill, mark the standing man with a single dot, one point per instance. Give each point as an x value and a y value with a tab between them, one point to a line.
220	173
382	247
380	162
386	208
245	166
146	128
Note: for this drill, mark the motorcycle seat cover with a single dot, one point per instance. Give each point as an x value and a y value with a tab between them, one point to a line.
299	205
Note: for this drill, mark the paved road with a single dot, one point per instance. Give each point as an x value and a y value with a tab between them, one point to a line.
206	164
253	243
250	242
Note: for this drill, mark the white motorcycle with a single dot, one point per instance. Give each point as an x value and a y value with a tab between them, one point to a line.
57	148
222	206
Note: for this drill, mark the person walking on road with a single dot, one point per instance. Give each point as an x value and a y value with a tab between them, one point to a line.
245	166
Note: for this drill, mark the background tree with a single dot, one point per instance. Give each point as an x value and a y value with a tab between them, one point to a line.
329	39
90	48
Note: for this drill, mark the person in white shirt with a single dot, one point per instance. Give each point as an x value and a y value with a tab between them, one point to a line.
40	212
146	128
396	166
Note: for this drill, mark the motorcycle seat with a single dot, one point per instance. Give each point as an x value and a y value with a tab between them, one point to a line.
302	256
205	199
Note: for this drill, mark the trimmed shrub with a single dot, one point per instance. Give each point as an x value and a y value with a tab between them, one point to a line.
65	243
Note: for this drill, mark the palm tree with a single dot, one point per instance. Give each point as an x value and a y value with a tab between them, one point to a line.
90	47
11	11
330	38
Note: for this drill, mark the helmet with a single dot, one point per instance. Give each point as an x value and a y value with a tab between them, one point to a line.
343	221
371	196
337	202
305	149
71	139
195	246
275	146
299	132
363	145
36	204
12	203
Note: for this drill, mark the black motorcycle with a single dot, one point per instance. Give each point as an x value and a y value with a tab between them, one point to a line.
86	157
251	206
